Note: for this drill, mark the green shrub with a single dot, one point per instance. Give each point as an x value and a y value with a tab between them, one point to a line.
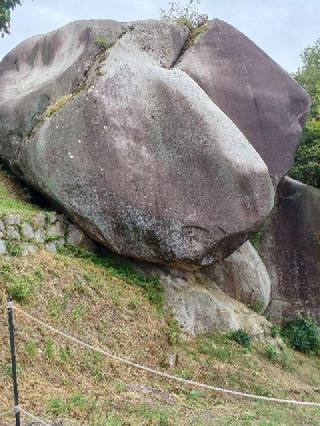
307	160
302	334
242	338
256	306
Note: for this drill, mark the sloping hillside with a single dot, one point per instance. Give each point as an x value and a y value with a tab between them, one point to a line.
113	308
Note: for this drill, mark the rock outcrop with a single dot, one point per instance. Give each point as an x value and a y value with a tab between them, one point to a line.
289	245
199	306
134	151
244	277
265	103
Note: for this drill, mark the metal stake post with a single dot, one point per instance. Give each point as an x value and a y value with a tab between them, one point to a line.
13	361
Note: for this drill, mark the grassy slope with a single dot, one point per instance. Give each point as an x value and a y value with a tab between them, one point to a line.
13	198
104	305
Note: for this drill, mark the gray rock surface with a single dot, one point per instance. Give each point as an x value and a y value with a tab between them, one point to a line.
262	99
12	219
3	247
244	277
12	233
27	248
39	71
200	306
78	238
140	157
290	248
27	232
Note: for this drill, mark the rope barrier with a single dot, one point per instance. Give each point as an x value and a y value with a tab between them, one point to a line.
161	373
33	417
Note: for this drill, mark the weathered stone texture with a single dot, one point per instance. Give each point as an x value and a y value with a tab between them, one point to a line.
262	99
290	249
244	277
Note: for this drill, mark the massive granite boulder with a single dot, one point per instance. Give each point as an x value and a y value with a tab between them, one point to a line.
133	150
289	245
243	276
266	104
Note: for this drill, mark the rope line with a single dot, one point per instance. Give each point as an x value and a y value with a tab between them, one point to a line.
33	417
163	374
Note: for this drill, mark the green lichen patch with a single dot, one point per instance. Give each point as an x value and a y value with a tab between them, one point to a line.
59	104
102	43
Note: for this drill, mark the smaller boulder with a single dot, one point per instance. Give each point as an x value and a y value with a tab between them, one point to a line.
75	237
243	277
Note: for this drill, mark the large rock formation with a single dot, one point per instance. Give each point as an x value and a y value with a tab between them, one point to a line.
266	104
290	248
134	150
244	277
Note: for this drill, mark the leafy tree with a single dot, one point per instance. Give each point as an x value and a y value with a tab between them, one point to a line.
307	161
309	76
6	7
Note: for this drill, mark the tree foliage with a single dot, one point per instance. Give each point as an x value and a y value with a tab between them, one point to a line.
307	161
6	7
186	14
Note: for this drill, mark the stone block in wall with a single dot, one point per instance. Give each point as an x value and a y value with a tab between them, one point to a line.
56	230
51	247
12	219
3	247
51	218
12	233
27	232
27	248
39	236
39	221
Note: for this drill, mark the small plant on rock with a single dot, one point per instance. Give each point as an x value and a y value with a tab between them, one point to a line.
102	43
186	14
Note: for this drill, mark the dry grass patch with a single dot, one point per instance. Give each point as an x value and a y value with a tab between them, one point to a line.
102	306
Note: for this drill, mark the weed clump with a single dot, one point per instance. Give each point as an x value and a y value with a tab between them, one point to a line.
13	249
271	353
20	287
102	43
242	338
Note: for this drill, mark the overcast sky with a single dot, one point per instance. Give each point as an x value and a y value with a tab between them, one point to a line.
281	27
